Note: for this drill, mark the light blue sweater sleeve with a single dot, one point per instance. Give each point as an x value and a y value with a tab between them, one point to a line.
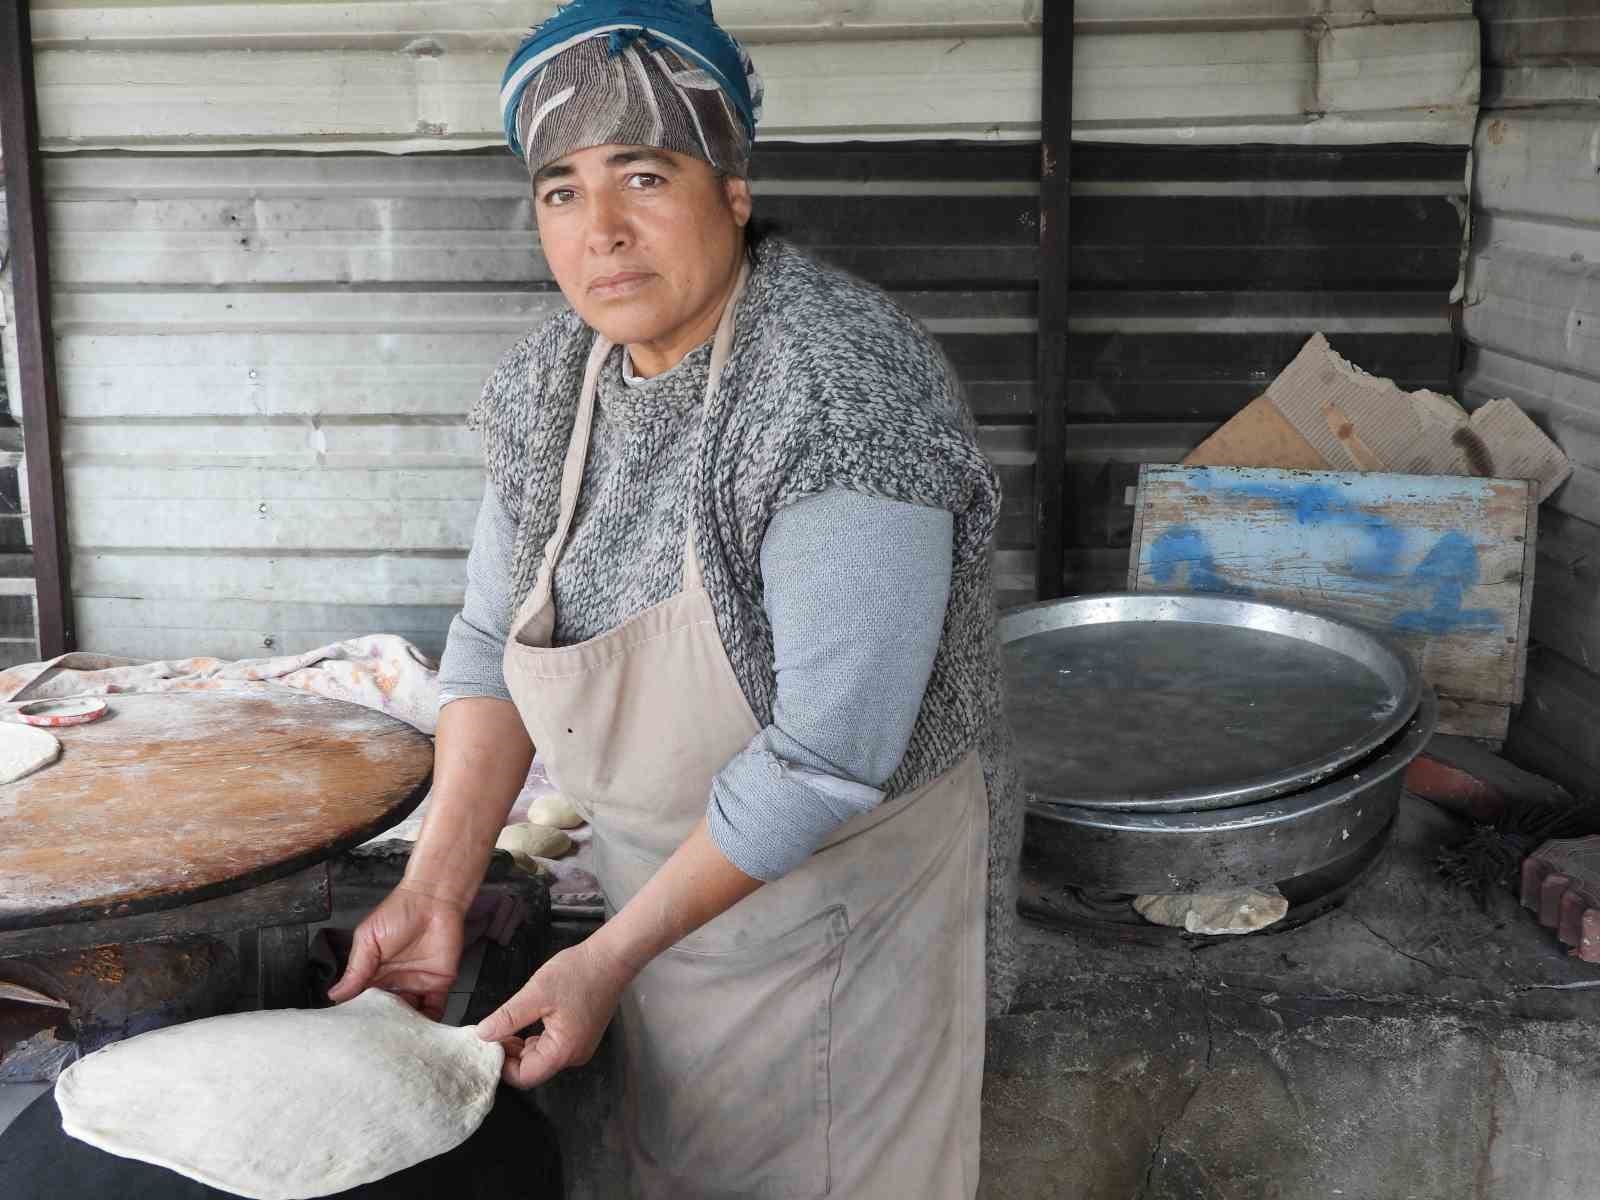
856	589
470	665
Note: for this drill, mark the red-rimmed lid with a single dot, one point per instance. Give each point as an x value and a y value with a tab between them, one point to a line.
78	710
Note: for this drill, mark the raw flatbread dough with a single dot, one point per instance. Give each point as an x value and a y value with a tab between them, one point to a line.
533	841
288	1103
555	811
24	749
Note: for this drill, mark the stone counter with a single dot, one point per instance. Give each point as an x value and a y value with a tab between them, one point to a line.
1405	1046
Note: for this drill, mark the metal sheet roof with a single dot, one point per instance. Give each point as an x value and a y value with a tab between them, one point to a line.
264	360
399	76
1540	52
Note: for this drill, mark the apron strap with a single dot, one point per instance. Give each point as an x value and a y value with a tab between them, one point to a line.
721	349
577	453
693	579
583	425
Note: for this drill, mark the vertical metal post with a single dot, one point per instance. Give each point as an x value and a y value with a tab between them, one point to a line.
30	279
1055	173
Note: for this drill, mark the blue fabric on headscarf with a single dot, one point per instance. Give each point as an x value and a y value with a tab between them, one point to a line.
688	26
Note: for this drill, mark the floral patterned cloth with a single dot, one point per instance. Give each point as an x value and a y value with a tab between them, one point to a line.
380	671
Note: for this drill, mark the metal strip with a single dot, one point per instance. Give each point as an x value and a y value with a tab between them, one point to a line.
1308	324
834	188
1133	187
301	897
36	369
1054	292
1273	187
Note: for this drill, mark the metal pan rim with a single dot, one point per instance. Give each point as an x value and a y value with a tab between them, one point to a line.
1393	757
1386	660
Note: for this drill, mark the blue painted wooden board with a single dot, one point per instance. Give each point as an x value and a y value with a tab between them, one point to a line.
1444	565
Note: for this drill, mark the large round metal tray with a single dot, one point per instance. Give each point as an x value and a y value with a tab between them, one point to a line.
1174	702
1268	841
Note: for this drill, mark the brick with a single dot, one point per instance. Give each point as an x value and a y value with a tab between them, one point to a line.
1569	924
1463	777
1453	789
1561	882
1533	873
1551	890
1589	945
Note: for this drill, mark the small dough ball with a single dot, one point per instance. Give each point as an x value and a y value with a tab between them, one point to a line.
533	841
555	811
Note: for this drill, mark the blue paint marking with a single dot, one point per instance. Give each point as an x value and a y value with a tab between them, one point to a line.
1451	570
1317	504
1184	546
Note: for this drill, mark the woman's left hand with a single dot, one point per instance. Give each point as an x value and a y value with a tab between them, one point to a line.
575	995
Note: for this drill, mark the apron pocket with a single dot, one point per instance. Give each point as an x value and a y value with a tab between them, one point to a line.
727	1077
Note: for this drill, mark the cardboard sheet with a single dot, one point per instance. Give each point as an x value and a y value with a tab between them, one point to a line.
1325	413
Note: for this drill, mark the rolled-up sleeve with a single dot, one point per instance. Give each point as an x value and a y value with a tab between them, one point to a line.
856	589
475	645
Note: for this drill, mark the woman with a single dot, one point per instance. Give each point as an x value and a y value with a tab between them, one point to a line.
731	578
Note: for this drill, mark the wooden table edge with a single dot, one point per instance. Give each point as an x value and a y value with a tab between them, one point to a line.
162	901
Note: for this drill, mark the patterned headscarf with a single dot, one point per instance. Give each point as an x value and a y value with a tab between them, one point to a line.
633	72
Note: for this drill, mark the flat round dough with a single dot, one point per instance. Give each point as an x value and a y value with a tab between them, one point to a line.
24	749
533	841
555	811
289	1103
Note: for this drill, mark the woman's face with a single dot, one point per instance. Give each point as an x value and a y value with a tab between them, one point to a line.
644	243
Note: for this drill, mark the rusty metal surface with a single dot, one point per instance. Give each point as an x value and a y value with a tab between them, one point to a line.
115	992
301	898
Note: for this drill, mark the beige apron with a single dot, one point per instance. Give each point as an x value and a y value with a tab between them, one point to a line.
823	1037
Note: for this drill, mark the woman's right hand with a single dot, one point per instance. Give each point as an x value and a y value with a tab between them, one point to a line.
409	945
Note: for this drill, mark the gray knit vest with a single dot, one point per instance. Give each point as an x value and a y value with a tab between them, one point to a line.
829	384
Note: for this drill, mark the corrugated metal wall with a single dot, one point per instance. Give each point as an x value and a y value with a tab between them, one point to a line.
412	74
264	364
1532	323
265	356
1197	276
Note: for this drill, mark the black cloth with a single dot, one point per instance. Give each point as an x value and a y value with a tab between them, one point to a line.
512	1156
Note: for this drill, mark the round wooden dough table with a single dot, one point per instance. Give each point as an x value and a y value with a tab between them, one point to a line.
180	805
